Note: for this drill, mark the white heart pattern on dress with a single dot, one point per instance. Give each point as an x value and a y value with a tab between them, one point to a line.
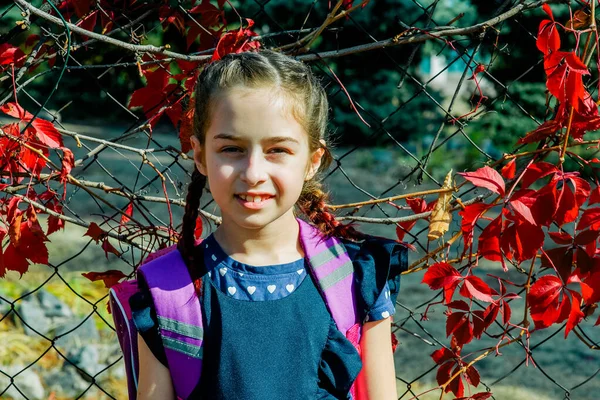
387	294
231	290
271	288
289	287
385	314
209	274
223	271
213	257
300	271
240	274
251	289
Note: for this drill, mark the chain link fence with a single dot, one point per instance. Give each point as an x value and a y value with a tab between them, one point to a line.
444	85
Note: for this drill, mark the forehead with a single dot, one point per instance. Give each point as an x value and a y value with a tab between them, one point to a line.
254	113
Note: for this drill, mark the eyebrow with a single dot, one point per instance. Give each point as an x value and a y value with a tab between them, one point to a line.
274	139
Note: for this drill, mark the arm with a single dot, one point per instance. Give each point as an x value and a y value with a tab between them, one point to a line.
154	379
377	379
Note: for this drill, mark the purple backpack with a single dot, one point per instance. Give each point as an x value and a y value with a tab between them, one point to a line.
180	318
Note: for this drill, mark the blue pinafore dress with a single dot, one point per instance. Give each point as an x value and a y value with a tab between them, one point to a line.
267	332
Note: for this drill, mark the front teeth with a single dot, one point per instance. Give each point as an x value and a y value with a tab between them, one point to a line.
256	199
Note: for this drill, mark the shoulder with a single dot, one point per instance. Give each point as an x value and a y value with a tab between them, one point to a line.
378	263
165	269
375	252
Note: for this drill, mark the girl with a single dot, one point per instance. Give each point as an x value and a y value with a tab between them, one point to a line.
259	143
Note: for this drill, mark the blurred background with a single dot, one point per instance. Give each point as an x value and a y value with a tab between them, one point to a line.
402	116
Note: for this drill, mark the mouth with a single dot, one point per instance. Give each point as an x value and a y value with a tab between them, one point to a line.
253	202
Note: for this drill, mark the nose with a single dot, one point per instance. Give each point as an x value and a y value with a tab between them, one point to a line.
254	170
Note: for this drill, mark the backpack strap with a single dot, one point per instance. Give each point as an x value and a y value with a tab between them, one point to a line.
119	295
179	318
334	272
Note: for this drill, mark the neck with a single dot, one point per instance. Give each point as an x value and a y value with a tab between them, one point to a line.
275	243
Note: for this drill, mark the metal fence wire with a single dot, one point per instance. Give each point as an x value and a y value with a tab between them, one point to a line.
416	87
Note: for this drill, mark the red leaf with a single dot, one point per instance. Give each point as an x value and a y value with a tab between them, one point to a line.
508	171
67	164
537	171
561	258
11	55
544	291
470	215
545	204
575	314
589	219
523	210
198	229
586	237
236	42
442	275
108	248
594	196
444	373
442	355
593	283
16	111
128	214
474	286
454	321
477	396
489	240
403	228
472	376
561	237
543	131
55	223
548	11
95	232
13	261
456	385
486	177
567	210
88	23
564	72
524	239
110	278
548	39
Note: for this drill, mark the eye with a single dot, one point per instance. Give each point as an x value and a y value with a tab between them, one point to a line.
230	149
279	150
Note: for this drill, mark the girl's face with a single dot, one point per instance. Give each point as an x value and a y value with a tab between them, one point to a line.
256	157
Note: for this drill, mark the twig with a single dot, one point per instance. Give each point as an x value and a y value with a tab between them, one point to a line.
446	31
12	190
389	199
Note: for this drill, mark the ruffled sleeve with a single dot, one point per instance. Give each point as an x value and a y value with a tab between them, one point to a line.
340	365
378	263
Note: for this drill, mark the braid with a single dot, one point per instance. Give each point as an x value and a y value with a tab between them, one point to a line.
186	244
313	203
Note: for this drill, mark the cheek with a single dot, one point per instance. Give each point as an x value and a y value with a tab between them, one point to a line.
219	169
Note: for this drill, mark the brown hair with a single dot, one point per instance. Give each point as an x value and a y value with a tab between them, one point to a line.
308	103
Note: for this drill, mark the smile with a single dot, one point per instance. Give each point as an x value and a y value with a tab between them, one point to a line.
253	202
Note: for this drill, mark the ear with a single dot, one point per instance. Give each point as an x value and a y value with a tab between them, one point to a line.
198	150
314	163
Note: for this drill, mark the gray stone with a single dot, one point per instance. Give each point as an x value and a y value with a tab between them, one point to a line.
32	316
28	382
67	382
88	359
85	334
5	308
52	306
